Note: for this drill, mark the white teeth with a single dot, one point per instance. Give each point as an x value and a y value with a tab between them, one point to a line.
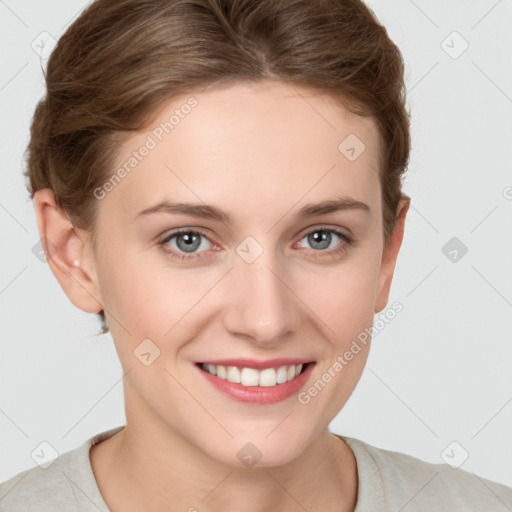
249	377
252	377
233	374
221	372
268	377
282	374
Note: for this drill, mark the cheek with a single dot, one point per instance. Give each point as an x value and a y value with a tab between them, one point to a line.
344	305
343	297
131	294
151	298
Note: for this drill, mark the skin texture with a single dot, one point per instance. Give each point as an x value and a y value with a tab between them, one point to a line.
260	152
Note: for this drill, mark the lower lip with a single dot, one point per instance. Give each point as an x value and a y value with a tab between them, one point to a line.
259	394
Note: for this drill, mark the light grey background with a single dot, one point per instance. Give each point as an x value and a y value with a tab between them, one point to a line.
438	373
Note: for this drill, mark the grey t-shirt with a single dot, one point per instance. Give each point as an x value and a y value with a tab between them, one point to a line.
388	481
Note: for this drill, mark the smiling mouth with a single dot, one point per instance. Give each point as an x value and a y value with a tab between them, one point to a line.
245	376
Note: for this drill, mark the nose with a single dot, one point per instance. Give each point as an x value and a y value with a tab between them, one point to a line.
262	303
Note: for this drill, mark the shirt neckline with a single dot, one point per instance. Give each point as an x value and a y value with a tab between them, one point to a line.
370	486
369	490
80	470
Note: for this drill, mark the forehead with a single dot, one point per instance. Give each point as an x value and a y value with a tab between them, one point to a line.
256	146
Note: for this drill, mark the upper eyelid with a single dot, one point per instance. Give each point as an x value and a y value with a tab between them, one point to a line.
326	227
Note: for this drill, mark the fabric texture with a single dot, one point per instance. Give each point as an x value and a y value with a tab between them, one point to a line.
388	481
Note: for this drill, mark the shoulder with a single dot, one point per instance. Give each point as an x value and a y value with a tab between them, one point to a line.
399	481
66	483
38	488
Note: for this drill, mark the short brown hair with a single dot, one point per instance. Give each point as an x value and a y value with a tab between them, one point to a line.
120	60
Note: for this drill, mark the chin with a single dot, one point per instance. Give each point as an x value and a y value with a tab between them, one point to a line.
257	452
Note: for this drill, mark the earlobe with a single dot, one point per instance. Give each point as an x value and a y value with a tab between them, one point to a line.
390	255
68	255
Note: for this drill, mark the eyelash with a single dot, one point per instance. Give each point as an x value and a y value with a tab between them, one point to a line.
347	241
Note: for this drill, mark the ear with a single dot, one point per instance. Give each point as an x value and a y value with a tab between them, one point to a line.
68	252
390	254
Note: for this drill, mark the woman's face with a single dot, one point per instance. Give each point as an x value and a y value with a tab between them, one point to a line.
260	283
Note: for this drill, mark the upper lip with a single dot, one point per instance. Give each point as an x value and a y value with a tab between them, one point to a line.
258	365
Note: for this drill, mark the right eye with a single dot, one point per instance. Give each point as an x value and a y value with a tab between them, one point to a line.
186	241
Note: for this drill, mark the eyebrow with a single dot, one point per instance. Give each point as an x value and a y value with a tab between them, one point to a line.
206	211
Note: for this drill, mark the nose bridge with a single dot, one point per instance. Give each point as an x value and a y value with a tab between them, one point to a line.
262	305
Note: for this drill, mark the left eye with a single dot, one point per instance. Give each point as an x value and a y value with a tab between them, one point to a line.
321	238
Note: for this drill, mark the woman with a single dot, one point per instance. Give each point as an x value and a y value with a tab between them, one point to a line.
221	182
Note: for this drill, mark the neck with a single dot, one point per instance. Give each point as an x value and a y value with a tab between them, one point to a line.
148	466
